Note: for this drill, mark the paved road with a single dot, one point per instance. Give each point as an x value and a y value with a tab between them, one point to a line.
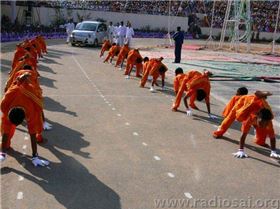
115	145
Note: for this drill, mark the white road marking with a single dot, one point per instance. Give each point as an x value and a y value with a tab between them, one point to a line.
171	175
135	134
197	173
24	146
113	108
188	195
20	195
144	144
110	104
193	141
156	157
20	178
127	123
119	114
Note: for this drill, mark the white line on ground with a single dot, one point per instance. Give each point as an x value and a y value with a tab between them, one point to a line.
144	144
188	195
113	108
135	134
20	195
20	178
193	141
171	175
156	157
119	114
110	104
127	123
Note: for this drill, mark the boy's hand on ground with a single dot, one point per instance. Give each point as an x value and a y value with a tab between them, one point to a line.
3	156
189	112
37	161
212	116
273	154
240	154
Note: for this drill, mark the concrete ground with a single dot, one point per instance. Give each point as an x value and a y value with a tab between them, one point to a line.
115	145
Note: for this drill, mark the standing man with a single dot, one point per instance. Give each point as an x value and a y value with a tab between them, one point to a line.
178	37
121	34
111	30
129	34
69	28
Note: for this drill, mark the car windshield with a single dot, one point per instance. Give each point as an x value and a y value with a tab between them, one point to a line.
86	26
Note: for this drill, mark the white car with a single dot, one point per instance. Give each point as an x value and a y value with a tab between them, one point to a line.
89	33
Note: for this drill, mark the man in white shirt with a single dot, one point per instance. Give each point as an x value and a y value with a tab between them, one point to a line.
129	34
121	34
116	32
111	31
69	28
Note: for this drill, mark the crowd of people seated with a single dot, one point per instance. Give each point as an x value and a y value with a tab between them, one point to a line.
263	13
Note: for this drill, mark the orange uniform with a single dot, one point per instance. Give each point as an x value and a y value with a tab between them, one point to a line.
242	110
122	55
22	95
26	60
145	65
178	80
132	57
105	47
114	50
261	132
152	69
36	47
193	81
230	105
42	42
33	79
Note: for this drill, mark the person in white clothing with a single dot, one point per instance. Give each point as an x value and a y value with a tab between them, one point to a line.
121	34
116	31
111	31
129	34
69	28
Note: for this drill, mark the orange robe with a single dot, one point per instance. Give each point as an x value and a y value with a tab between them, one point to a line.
261	132
178	80
133	55
244	108
105	47
152	70
122	55
42	43
22	95
193	81
145	65
114	50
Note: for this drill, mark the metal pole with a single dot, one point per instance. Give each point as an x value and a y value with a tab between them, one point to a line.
275	30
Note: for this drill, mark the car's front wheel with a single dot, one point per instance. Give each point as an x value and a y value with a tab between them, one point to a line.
95	43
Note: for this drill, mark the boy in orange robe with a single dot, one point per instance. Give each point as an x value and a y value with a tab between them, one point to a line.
114	50
122	55
105	47
133	58
21	102
262	121
197	87
155	68
243	108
